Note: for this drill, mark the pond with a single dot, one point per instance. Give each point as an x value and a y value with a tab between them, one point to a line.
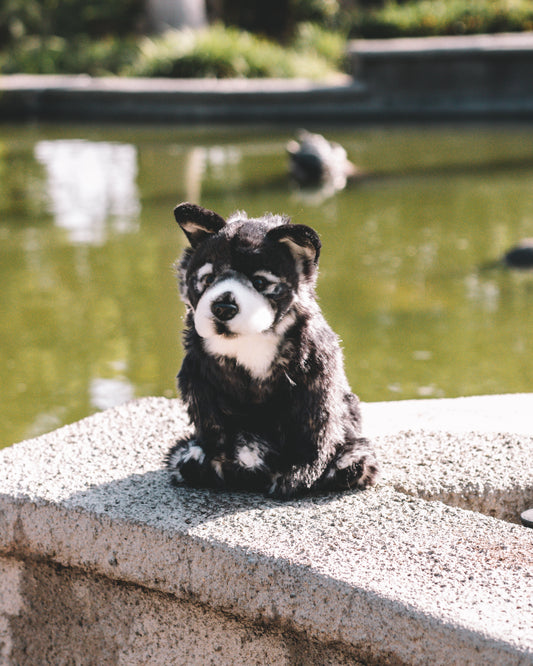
90	310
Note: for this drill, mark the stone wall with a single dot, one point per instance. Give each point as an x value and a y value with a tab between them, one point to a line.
102	561
477	75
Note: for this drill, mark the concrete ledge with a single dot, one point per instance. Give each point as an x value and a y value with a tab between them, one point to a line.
473	452
90	528
483	75
176	100
448	46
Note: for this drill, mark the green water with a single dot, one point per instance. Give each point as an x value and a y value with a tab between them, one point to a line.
90	314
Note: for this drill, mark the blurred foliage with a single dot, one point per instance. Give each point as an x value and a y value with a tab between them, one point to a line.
55	55
228	52
443	17
328	44
281	38
278	19
68	18
37	36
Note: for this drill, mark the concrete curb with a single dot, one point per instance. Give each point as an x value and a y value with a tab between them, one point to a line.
381	576
457	76
177	100
478	76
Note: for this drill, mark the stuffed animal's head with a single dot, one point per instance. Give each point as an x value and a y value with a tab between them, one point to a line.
243	279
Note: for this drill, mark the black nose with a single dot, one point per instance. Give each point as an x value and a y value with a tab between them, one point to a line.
224	308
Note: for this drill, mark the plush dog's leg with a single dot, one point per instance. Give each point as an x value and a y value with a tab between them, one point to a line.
354	466
309	456
337	456
197	460
217	455
252	461
187	462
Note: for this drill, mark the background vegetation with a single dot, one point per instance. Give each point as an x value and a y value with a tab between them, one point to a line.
281	38
416	18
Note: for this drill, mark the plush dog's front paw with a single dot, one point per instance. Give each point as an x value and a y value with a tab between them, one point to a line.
361	474
355	466
286	487
188	463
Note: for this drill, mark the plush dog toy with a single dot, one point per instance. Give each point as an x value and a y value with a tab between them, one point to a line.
262	376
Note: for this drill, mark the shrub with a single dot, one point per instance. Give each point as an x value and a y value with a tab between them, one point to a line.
54	55
443	17
312	38
224	52
277	19
66	18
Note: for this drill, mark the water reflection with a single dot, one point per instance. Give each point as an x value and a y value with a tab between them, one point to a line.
219	163
482	292
91	186
319	168
96	321
106	393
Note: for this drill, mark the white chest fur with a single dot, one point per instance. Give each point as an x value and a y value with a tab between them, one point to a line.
255	352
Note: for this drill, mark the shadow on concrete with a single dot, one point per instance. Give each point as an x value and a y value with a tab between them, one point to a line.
150	499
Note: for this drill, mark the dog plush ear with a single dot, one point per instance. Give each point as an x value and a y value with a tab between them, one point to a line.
302	241
198	223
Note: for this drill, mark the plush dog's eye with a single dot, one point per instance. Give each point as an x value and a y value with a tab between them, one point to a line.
203	279
259	282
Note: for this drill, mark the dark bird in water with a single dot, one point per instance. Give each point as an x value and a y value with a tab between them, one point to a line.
520	256
317	162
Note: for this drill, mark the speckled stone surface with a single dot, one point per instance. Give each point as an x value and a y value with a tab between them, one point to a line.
398	574
475	452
